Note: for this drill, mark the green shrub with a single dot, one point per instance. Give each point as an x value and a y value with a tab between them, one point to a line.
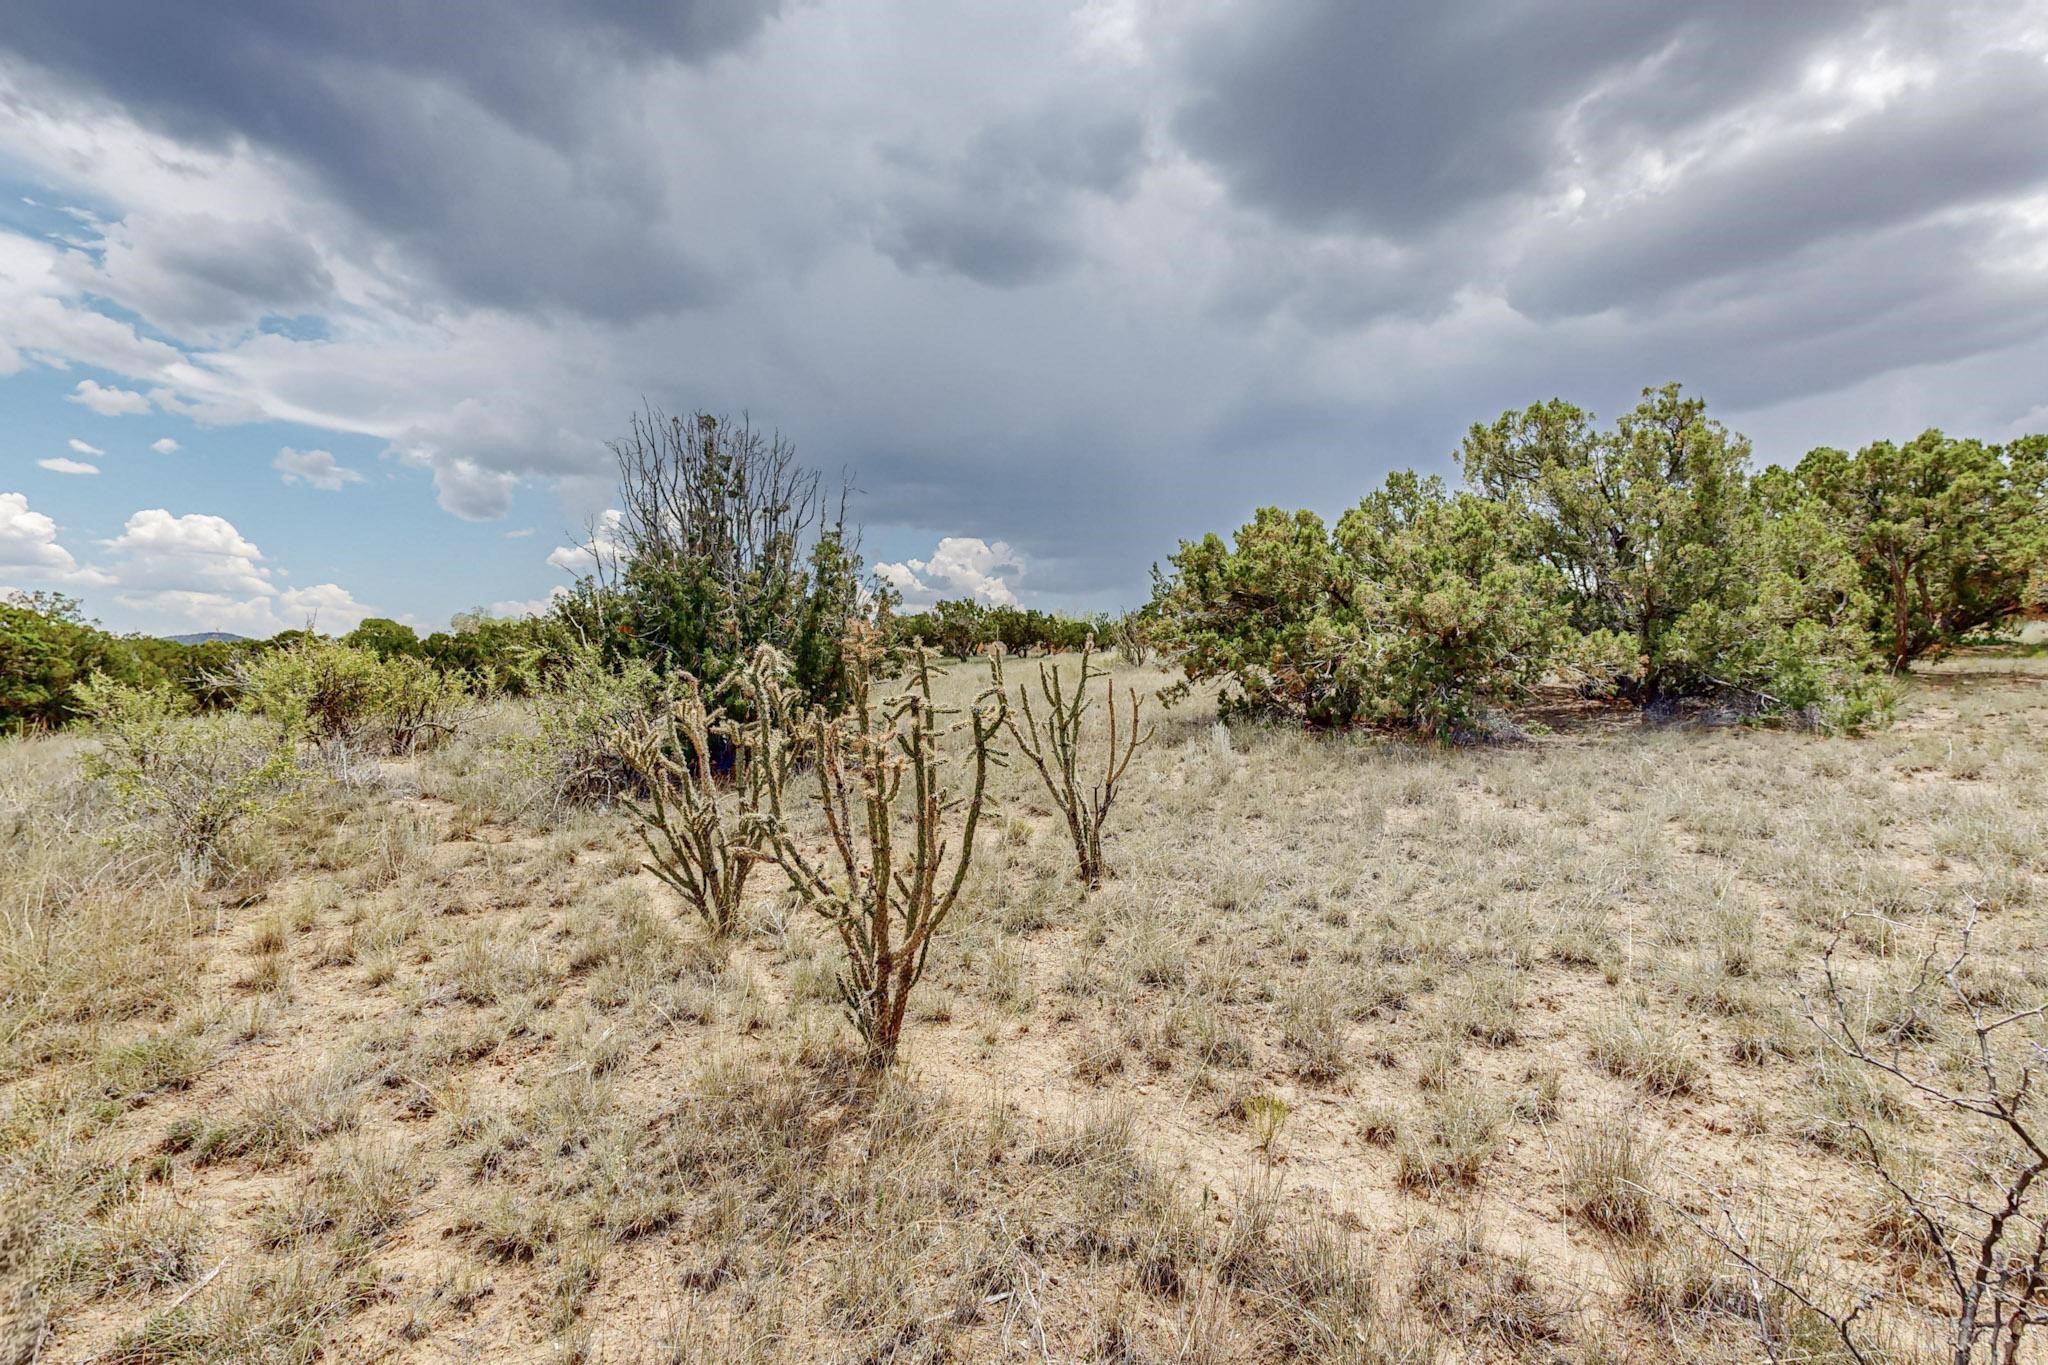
1412	615
722	542
419	705
187	780
315	689
1460	626
576	754
1685	578
347	698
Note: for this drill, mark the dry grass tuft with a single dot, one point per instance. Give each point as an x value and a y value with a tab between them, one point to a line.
1366	1053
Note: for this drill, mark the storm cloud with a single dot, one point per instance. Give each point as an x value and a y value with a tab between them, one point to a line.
1073	279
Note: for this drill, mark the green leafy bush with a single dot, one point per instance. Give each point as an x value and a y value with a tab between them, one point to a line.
419	706
315	689
187	780
577	753
1642	522
347	699
1270	613
1460	626
722	542
1788	639
1684	578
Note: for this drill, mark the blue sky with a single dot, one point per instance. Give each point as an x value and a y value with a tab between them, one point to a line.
426	565
1059	282
381	533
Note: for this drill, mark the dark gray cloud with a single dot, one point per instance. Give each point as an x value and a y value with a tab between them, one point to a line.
1082	278
193	273
1392	119
1001	210
219	73
486	141
1973	136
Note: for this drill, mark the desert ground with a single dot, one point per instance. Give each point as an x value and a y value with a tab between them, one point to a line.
1366	1051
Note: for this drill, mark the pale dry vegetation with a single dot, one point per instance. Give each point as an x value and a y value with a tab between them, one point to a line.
1363	1051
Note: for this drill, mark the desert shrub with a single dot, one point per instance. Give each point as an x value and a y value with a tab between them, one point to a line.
574	755
419	706
318	690
1458	624
1262	613
1637	520
500	656
1976	1225
347	698
961	627
1131	634
1411	615
1787	639
187	780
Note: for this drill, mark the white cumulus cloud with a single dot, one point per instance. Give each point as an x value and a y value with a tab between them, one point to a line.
961	566
198	570
602	545
108	402
59	464
533	606
166	446
316	468
190	572
81	448
28	543
196	550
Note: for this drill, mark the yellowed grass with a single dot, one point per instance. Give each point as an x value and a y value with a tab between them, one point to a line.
1363	1052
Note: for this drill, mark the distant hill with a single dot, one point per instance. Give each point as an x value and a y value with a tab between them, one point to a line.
205	637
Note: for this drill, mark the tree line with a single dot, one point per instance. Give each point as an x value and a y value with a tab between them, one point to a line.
49	648
1646	561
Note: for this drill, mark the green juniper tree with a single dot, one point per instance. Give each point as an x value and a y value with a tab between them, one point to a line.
1951	535
1412	614
1638	520
1684	577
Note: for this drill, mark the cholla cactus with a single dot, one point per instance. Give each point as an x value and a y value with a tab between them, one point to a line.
1053	744
693	845
886	901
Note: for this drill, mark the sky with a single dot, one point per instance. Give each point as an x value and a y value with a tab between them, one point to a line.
319	309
